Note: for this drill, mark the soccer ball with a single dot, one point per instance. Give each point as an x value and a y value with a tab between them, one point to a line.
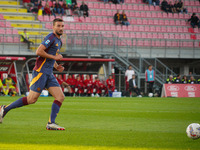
150	94
193	131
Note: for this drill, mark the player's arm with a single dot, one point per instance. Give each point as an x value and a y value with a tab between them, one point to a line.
41	52
59	67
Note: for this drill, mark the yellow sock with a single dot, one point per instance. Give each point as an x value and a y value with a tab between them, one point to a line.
6	92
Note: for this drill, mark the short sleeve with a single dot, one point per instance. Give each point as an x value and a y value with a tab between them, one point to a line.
47	41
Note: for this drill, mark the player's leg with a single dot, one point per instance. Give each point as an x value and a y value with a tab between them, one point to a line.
23	101
57	93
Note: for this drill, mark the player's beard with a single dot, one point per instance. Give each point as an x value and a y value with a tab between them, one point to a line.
59	33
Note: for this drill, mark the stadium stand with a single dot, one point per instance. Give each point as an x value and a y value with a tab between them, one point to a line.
145	21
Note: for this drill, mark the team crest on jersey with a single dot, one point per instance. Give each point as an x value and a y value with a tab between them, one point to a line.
57	44
47	42
38	89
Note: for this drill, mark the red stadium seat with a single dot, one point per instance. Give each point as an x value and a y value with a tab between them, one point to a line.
10	39
40	18
138	35
16	39
8	31
140	8
2	31
118	7
8	24
99	20
107	6
15	31
46	18
176	36
132	35
130	7
113	6
96	5
101	6
135	7
90	5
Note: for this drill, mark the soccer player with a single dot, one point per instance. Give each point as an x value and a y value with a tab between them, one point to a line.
1	87
79	85
48	54
9	85
110	84
88	84
99	86
71	83
63	84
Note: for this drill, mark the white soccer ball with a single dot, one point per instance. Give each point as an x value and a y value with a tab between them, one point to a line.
193	131
150	94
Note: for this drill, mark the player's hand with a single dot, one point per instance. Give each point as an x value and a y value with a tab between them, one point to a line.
58	57
60	68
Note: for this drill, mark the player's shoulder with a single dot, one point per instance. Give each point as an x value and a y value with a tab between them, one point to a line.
50	36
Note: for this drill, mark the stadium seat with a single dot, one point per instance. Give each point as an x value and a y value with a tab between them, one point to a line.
8	31
96	5
107	27
10	39
2	31
15	31
16	39
46	18
118	7
130	7
99	20
107	6
40	18
113	6
8	24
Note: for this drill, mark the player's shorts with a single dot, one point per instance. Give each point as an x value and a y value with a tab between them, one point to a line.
10	87
1	84
41	81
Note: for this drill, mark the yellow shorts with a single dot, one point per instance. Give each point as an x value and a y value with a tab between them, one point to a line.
10	87
1	84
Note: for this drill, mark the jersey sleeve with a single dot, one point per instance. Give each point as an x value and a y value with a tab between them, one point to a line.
48	41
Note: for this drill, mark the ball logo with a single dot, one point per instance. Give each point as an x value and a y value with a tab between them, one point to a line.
173	88
190	88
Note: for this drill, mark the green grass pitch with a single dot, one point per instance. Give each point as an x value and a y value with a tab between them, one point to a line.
102	123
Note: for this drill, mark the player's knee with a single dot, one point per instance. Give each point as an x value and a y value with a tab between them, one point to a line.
31	100
61	98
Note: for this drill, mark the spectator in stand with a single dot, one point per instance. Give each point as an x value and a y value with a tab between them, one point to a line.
124	19
79	86
1	87
180	7
150	78
194	21
175	6
170	80
198	81
84	10
164	6
9	84
27	4
71	83
75	8
156	2
47	10
25	38
149	2
58	9
89	85
192	80
133	86
110	85
184	79
63	84
171	7
177	79
117	18
66	8
128	74
74	3
35	7
120	1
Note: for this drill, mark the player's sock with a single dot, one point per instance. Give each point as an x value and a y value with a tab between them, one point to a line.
6	92
18	103
54	110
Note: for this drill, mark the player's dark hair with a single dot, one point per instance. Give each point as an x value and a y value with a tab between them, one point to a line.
57	20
